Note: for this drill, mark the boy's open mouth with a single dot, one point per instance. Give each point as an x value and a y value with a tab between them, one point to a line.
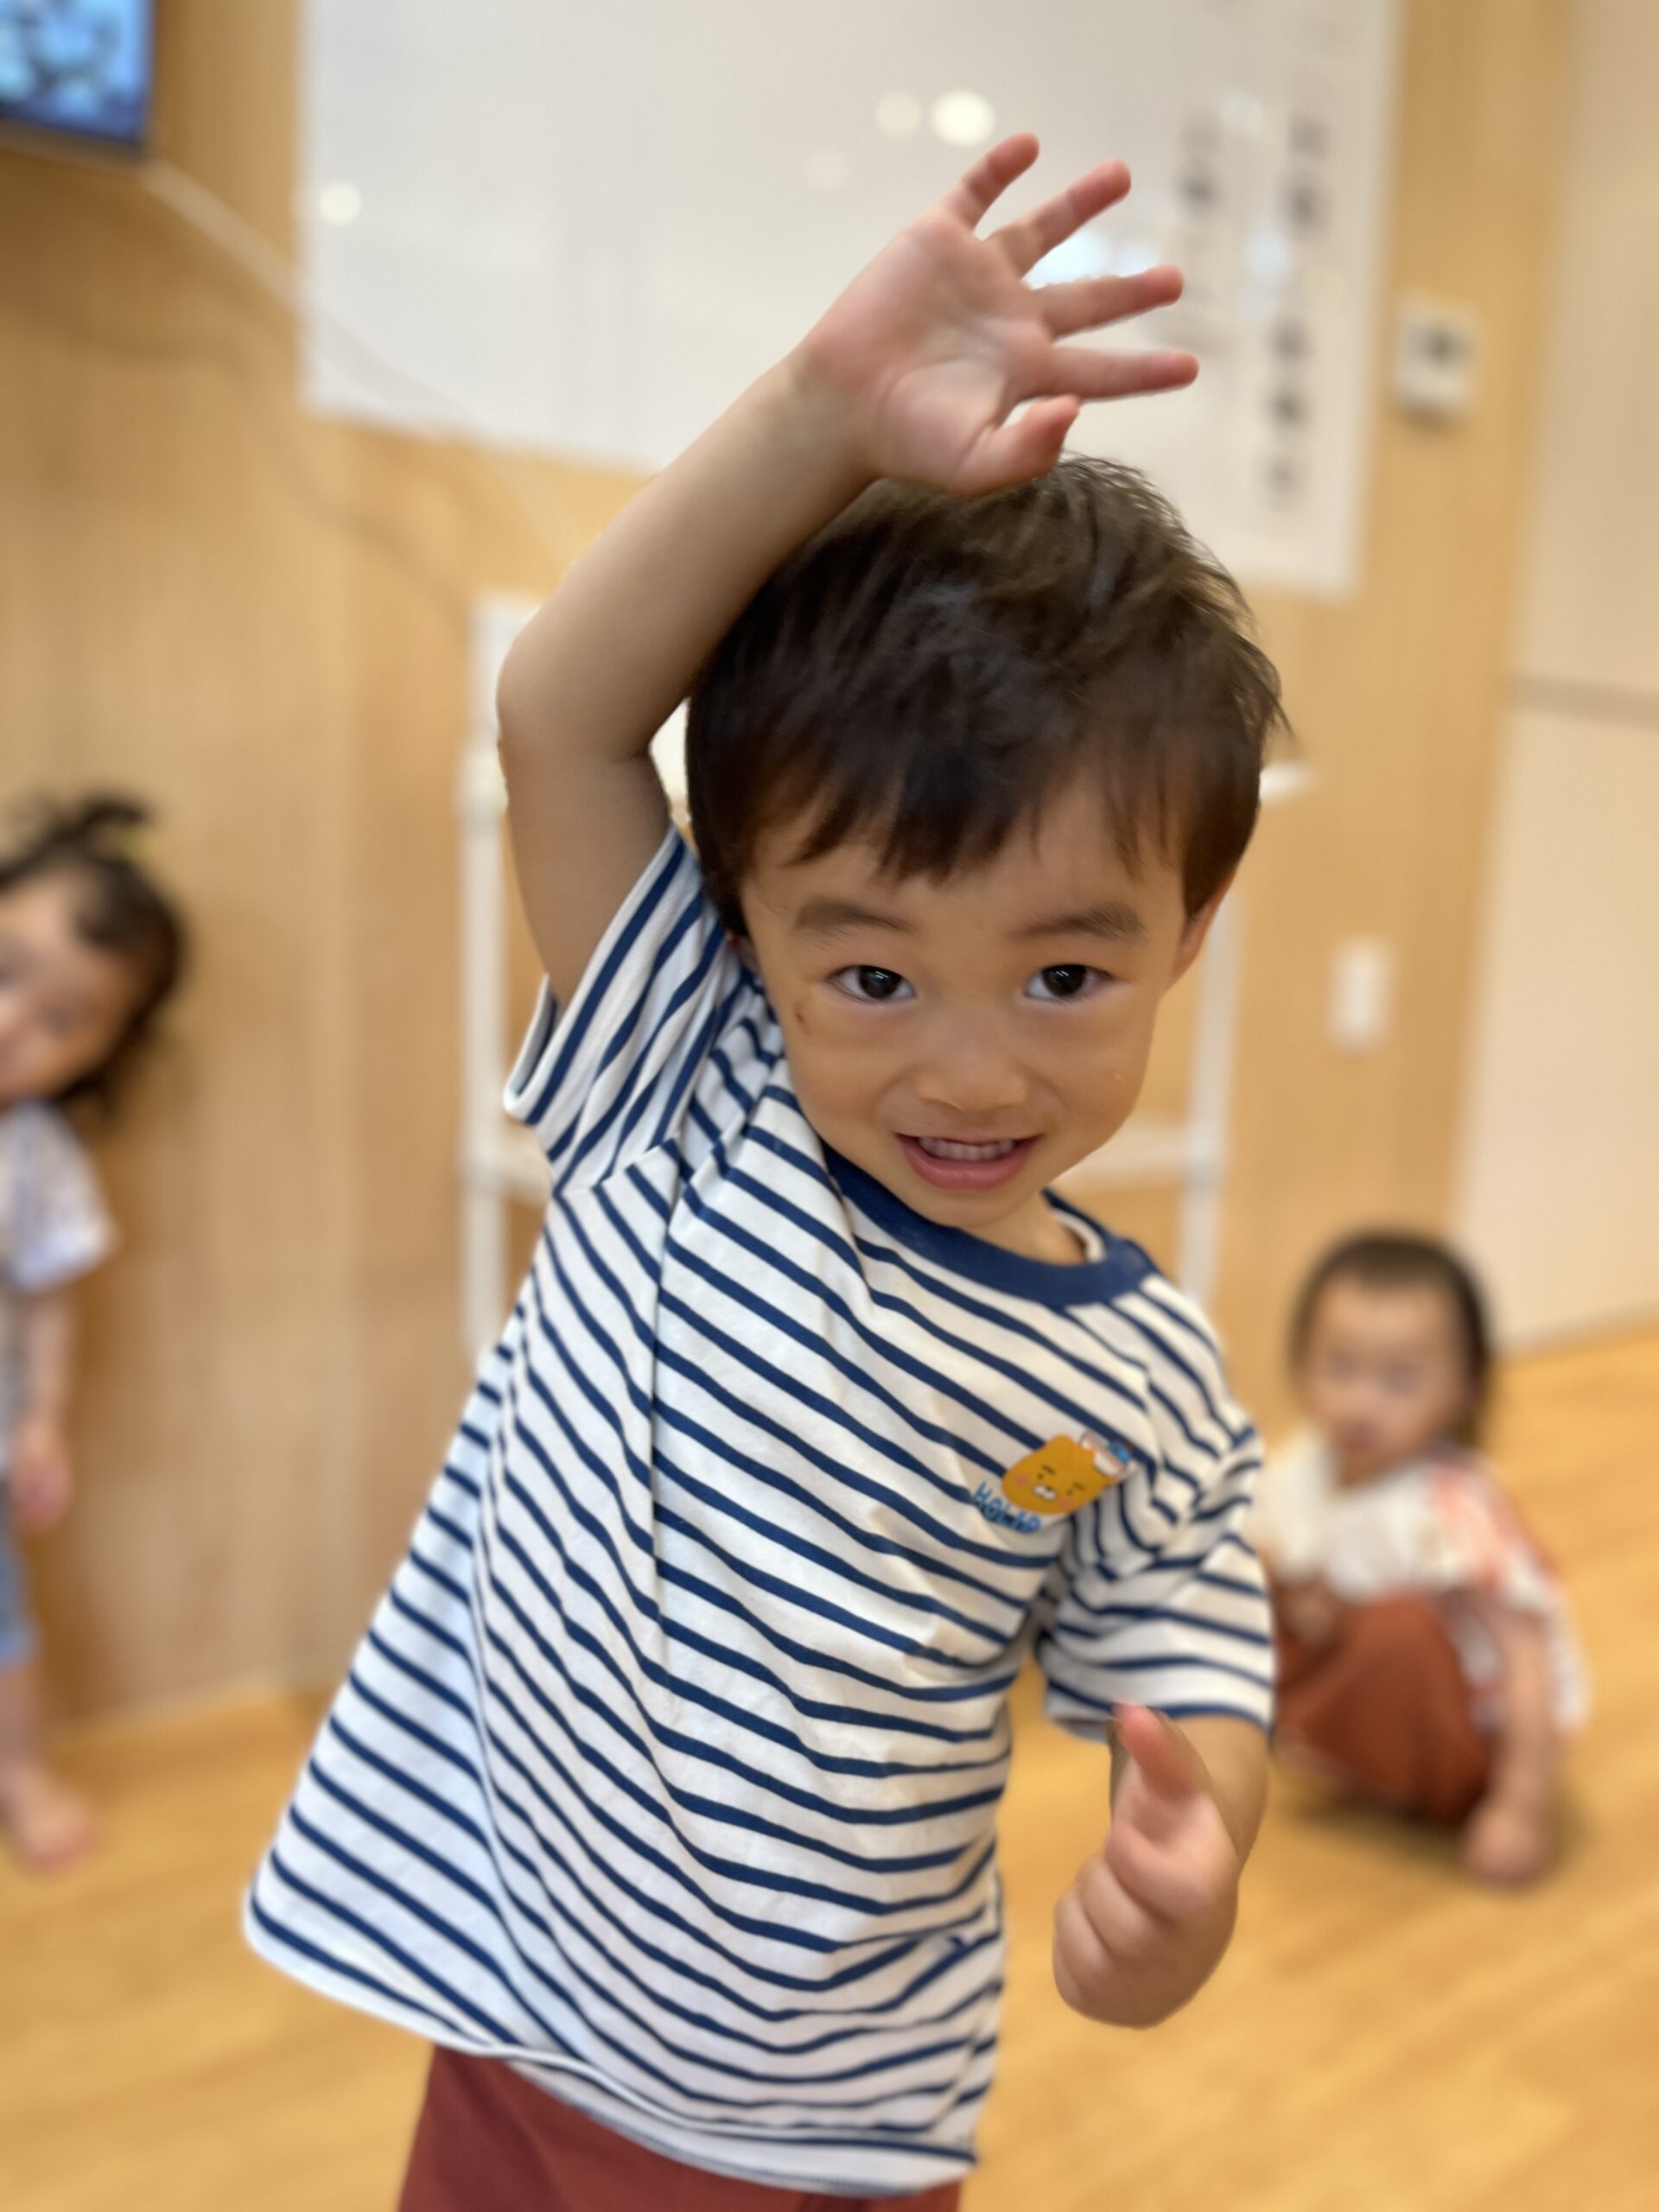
966	1164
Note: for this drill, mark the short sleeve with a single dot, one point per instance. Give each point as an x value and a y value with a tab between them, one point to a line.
1161	1606
607	1079
60	1228
1476	1541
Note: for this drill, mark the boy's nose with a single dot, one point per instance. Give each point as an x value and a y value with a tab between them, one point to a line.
968	1076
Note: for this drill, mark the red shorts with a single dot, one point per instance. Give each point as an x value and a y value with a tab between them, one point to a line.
489	2141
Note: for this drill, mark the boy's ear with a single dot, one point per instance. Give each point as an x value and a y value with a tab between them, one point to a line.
1195	930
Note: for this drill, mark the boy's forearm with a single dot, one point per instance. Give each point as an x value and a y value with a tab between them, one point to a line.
45	1331
1235	1754
616	648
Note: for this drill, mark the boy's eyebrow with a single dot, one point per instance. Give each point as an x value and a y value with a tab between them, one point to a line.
823	917
1113	919
1110	918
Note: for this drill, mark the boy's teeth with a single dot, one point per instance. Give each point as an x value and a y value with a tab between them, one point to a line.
944	1148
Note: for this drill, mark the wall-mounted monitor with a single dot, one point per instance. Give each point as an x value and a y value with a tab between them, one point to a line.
77	70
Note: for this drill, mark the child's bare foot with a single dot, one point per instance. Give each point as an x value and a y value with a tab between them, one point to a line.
1506	1844
49	1825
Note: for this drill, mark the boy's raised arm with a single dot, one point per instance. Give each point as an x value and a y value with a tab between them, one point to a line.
614	650
916	372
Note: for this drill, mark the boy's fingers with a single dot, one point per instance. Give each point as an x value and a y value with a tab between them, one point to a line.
1027	446
1173	1883
1093	374
1078	1943
1026	242
1102	1940
990	177
1093	300
1124	1925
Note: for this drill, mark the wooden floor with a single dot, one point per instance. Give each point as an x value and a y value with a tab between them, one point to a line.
1384	2038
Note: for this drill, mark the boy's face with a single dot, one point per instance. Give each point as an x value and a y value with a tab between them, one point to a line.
967	1042
1384	1374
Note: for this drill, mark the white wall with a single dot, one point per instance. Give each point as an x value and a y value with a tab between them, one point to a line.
1560	1185
583	230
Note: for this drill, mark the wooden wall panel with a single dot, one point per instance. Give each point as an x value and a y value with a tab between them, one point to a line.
1567	1130
1396	696
260	619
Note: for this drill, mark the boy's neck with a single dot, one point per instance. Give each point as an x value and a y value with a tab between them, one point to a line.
1036	1231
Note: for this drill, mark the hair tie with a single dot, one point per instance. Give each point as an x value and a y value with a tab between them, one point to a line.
127	842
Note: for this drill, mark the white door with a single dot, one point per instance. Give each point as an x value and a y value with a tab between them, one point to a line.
1559	1196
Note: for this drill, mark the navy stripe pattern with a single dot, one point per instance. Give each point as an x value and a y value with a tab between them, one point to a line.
669	1768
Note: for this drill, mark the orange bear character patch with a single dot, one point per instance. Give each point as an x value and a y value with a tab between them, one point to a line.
1060	1476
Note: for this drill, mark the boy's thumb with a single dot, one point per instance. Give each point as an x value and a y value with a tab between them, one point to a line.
1168	1766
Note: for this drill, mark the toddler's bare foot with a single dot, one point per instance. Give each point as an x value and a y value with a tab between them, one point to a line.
1506	1844
48	1824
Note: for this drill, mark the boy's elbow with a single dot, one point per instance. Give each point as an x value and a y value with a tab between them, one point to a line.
511	703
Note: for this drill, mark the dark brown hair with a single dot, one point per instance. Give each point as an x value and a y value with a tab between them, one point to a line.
1392	1260
927	671
122	910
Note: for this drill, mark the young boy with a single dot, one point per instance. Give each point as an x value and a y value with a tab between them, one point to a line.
668	1771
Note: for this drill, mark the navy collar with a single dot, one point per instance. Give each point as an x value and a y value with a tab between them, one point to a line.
1123	1268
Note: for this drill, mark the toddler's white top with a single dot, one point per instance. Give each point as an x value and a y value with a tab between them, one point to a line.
1439	1527
54	1226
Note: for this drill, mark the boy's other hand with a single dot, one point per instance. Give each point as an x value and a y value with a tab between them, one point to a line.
41	1480
932	348
1150	1915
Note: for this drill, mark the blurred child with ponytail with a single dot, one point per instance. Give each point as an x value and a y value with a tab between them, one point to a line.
90	950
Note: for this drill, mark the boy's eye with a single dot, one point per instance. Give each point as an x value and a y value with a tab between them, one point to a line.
877	986
1069	980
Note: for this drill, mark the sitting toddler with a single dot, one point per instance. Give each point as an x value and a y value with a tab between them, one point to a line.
1424	1652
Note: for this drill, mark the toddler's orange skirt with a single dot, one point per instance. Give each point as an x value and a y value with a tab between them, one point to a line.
1384	1708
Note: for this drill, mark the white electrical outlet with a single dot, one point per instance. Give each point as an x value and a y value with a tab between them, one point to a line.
1436	358
1361	1001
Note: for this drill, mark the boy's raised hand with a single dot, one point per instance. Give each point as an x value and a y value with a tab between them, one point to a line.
936	343
1150	1914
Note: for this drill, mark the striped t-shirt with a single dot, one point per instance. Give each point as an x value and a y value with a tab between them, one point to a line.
669	1768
